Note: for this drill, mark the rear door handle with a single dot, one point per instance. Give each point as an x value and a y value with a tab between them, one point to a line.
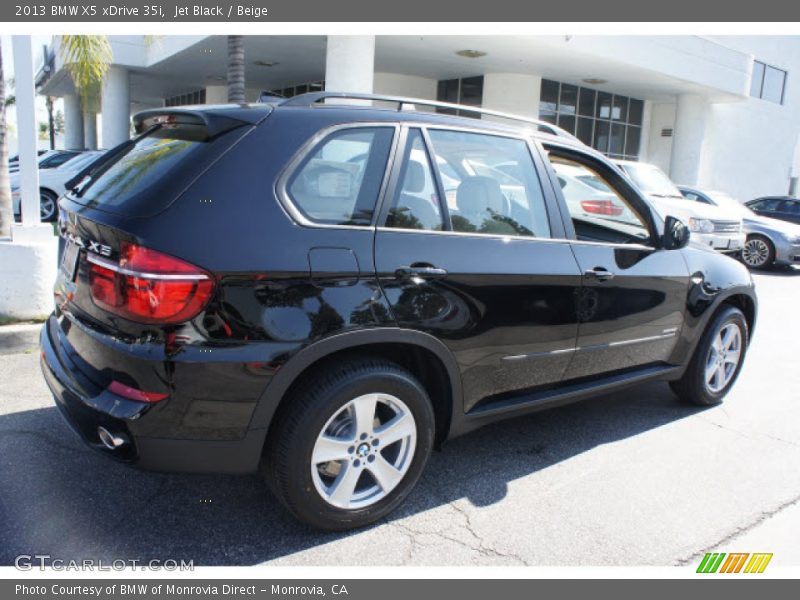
421	271
598	273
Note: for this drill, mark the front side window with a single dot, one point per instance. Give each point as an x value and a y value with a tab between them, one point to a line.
490	184
599	211
766	205
416	201
339	180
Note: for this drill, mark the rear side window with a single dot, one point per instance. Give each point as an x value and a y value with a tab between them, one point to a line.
416	201
490	184
339	180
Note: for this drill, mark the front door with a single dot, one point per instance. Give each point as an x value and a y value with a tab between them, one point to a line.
467	253
632	301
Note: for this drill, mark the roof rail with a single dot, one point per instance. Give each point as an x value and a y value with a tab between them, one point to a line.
312	98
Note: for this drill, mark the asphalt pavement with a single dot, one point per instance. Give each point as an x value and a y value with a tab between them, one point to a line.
631	478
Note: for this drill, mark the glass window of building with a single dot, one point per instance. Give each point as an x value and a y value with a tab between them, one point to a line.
610	123
467	90
768	83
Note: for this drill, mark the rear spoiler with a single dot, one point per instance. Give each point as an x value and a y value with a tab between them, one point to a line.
214	120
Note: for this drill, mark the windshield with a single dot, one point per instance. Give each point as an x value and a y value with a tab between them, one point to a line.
652	180
79	162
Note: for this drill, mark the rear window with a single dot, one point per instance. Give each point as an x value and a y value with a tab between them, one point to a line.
339	180
146	177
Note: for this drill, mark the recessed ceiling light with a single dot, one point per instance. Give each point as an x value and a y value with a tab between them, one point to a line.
594	81
217	78
265	63
471	53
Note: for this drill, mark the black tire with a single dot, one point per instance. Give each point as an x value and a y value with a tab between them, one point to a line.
693	387
758	252
302	418
48	198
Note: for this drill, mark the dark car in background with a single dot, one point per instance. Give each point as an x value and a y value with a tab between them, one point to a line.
784	208
328	291
769	241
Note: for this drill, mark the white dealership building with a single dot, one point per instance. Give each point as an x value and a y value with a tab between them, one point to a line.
717	112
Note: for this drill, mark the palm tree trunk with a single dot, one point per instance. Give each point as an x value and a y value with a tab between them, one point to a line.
236	69
6	214
51	122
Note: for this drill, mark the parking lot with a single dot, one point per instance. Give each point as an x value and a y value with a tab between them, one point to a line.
632	478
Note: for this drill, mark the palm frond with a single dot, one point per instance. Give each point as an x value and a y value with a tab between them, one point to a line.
87	58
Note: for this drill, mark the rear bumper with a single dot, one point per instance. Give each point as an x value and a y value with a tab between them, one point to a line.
87	407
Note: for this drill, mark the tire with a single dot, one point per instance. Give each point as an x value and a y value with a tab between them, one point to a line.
703	383
48	206
758	252
317	421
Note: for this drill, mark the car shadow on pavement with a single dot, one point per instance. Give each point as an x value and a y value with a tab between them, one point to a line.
58	497
779	271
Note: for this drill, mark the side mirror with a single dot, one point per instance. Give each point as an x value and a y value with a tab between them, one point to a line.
676	234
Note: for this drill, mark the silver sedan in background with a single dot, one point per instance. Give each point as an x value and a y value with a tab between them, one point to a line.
769	241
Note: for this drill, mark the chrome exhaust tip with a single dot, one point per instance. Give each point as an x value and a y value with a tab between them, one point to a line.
109	440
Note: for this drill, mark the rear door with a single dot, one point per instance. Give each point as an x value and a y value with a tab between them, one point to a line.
633	297
470	249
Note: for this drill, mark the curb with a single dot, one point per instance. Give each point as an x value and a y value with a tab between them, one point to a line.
19	338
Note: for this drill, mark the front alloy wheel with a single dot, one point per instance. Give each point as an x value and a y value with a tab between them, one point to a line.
723	357
716	361
757	253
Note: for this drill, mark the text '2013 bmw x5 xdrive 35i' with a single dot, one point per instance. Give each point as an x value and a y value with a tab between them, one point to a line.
329	291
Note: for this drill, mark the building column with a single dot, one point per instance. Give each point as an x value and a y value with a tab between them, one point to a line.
116	106
90	130
512	93
73	122
350	63
691	119
26	129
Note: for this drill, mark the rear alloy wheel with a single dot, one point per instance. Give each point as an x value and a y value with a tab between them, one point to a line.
758	252
716	361
48	206
348	446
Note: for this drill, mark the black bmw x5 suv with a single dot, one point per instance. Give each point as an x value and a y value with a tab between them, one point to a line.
328	291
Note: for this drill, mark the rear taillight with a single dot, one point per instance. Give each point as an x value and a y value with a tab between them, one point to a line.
602	207
148	287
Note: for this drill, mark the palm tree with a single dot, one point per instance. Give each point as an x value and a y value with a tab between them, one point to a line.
236	69
87	58
6	213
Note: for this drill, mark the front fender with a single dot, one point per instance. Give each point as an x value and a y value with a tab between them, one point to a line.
715	280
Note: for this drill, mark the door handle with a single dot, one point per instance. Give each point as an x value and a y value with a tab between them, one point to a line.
598	273
421	271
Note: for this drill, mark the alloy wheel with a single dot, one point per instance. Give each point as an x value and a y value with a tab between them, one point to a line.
723	357
47	207
755	253
364	451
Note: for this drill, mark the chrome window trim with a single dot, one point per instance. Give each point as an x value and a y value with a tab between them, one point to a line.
515	237
281	185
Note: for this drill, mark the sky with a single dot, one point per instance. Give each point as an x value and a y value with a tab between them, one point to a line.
8	71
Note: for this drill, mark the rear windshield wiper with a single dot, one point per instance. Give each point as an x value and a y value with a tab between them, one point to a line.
80	181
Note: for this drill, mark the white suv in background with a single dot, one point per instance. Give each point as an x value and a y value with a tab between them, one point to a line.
714	226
